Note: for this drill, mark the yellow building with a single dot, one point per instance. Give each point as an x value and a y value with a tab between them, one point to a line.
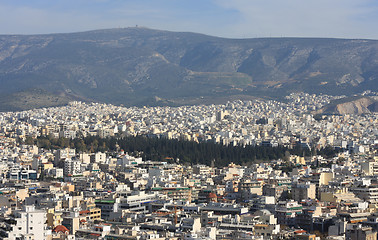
68	188
48	165
325	177
94	212
338	196
91	212
297	160
53	218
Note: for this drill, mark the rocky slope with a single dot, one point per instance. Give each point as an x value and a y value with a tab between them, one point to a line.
356	105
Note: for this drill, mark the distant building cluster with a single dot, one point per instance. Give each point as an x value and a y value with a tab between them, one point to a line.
65	194
268	123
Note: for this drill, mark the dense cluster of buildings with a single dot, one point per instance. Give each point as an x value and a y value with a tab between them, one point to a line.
242	123
64	194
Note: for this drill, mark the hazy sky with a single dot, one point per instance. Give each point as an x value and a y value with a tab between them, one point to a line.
224	18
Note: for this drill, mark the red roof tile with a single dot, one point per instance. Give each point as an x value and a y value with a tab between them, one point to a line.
60	228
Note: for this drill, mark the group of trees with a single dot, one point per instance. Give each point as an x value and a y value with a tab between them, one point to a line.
162	149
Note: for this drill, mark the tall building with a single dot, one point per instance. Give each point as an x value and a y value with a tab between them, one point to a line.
72	167
220	115
303	191
30	224
370	168
64	153
287	211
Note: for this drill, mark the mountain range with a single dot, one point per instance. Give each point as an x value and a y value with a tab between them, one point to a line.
140	66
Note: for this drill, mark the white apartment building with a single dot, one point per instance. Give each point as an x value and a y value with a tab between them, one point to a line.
72	167
30	225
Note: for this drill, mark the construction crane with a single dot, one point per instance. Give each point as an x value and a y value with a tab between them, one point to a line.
165	212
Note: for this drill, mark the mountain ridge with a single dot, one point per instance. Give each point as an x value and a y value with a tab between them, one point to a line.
132	66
